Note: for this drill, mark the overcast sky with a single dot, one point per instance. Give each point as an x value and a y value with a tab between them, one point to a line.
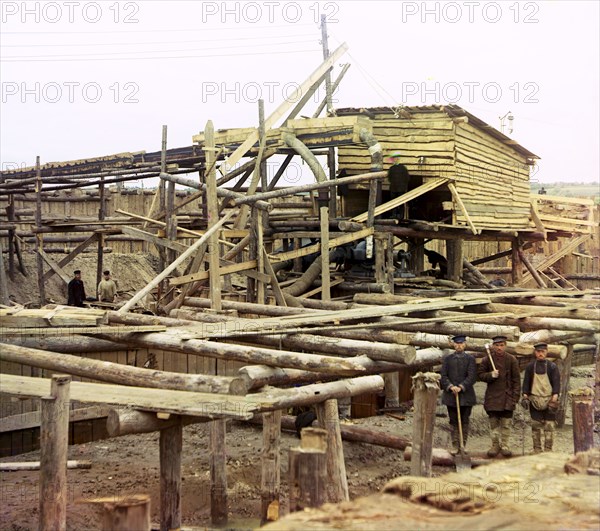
83	79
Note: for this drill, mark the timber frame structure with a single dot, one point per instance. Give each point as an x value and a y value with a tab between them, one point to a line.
209	239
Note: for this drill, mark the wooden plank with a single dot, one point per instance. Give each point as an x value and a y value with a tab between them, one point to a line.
203	275
462	207
283	108
88	330
75	252
160	400
59	316
304	251
152	238
560	199
405	198
535	217
293	323
54	266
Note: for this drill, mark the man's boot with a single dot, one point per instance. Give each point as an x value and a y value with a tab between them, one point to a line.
505	437
536	433
454	436
548	435
495	434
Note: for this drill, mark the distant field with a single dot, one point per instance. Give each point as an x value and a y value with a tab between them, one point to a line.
591	190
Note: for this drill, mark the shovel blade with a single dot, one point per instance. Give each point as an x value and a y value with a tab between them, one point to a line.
462	462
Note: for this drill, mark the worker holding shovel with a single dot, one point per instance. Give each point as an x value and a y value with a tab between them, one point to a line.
459	374
500	370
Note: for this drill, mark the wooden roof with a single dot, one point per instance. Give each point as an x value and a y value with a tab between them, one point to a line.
453	111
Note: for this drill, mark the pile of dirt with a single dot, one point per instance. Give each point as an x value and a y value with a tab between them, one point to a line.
131	272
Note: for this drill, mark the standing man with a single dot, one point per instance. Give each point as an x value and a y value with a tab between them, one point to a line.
502	394
459	374
541	386
107	288
75	290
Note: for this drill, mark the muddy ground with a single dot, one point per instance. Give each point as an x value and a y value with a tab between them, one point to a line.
130	464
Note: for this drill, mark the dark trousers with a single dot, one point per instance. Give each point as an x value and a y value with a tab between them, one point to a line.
506	414
465	414
543	415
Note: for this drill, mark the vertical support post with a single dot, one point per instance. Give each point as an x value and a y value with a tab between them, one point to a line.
170	216
260	257
297	267
426	388
3	283
516	267
380	273
270	478
564	367
582	403
389	259
101	216
162	196
39	238
325	273
213	215
218	472
308	469
171	443
253	251
10	214
54	443
337	481
454	252
392	389
417	254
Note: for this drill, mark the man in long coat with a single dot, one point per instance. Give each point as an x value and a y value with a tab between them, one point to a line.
76	291
502	394
459	374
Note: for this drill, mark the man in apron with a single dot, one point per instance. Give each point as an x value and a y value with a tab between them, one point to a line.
459	374
541	386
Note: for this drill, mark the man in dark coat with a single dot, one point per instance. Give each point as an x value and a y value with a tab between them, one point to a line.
502	394
541	387
459	374
76	291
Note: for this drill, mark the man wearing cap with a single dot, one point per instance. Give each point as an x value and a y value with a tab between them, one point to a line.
107	289
500	371
459	374
75	290
541	386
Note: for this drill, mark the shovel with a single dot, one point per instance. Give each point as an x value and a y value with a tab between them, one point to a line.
461	459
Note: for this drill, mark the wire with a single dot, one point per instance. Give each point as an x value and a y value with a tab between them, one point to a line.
152	51
158	57
203	30
152	42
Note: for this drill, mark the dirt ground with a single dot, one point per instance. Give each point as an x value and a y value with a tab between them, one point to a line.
130	464
131	272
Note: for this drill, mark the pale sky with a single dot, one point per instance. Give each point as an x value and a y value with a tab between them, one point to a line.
83	79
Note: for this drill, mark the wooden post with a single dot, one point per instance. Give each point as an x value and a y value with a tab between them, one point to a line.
308	469
516	267
531	269
260	256
417	254
3	283
124	513
218	472
564	366
54	443
582	403
597	382
392	389
325	276
337	481
10	214
101	216
380	273
270	479
426	388
389	260
454	255
171	442
213	215
38	235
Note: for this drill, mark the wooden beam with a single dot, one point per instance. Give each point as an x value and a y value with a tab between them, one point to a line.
535	217
405	198
325	273
170	447
218	473
304	251
164	274
54	266
152	238
75	252
278	294
33	419
284	107
462	207
213	216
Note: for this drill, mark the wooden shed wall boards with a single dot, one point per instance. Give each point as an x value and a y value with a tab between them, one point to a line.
490	171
